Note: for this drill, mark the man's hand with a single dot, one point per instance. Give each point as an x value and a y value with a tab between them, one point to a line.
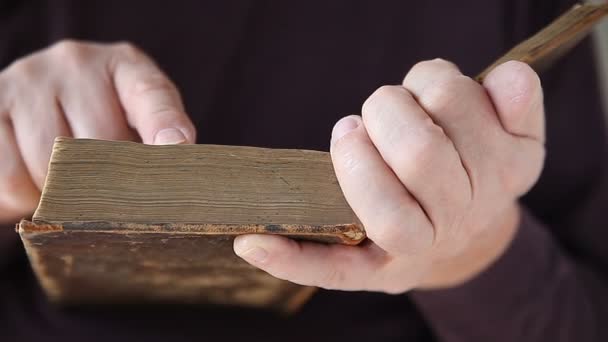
433	170
82	90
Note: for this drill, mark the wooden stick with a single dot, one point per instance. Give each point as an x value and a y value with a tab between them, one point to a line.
555	40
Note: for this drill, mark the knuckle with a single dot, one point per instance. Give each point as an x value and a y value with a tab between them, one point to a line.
442	95
70	52
129	50
65	45
431	64
420	149
376	104
155	82
23	69
67	48
440	62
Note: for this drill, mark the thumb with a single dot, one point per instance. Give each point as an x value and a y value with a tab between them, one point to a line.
517	95
152	104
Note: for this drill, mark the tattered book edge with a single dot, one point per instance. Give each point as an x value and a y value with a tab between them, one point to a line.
348	234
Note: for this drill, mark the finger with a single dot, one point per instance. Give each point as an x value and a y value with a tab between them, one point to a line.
313	264
517	95
461	107
393	219
418	152
18	194
428	72
151	101
93	110
36	125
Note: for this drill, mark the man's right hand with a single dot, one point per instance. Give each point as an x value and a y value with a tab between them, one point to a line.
82	90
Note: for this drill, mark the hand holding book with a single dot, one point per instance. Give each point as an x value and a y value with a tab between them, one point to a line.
433	170
438	112
83	90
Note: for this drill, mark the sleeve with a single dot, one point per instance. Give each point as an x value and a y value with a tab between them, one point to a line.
535	292
552	282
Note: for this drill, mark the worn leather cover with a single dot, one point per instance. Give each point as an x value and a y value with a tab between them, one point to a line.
101	265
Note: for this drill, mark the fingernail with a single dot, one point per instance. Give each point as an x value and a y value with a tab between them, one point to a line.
344	126
169	136
249	252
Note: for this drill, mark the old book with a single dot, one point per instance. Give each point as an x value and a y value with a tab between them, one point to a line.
125	222
122	221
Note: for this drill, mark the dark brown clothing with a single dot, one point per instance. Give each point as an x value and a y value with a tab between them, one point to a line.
279	74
